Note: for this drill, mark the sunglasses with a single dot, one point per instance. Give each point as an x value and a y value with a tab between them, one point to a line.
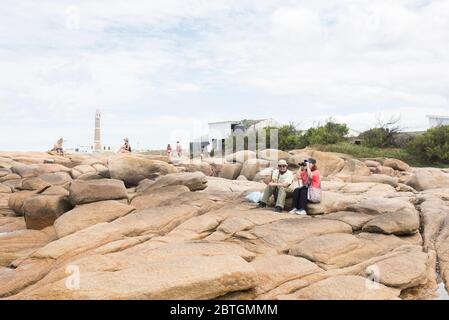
282	166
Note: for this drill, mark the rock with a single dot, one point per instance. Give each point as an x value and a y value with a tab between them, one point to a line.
56	178
355	219
372	163
279	236
252	166
82	192
20	243
174	277
386	171
340	250
396	165
220	186
77	171
86	215
16	201
132	170
346	288
230	171
428	178
154	198
241	156
10	176
378	206
332	202
274	270
55	191
376	178
398	223
193	180
273	155
5	189
203	167
41	211
9	224
407	270
242	178
33	184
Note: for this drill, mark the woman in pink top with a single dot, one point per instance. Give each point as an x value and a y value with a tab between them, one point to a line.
309	175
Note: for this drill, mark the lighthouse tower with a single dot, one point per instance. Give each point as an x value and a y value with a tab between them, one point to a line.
97	138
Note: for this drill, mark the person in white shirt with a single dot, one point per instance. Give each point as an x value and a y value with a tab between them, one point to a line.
279	186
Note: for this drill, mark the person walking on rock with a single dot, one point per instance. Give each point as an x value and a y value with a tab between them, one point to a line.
169	150
178	149
279	186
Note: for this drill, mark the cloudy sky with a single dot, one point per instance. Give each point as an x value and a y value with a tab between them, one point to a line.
160	70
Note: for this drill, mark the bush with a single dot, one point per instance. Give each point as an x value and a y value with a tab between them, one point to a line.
329	133
432	146
376	137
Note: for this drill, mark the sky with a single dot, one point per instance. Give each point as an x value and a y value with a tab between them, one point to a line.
159	71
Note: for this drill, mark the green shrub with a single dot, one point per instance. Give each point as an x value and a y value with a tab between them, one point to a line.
432	146
376	137
329	133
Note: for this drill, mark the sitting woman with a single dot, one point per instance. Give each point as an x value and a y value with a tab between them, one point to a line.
309	188
126	148
58	147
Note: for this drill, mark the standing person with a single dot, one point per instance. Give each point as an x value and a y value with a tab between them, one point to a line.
281	179
178	149
309	175
169	150
58	147
126	148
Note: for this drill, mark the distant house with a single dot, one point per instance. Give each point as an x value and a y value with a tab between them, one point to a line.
435	121
219	131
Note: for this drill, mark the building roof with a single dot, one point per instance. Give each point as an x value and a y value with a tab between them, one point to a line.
218	122
437	117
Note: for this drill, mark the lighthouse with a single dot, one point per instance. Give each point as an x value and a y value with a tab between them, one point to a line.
97	137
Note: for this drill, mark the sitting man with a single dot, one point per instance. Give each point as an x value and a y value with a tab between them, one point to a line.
281	179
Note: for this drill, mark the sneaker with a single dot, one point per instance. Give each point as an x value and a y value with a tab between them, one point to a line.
294	210
301	212
262	205
278	209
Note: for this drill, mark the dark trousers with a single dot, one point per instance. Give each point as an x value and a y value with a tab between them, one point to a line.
300	198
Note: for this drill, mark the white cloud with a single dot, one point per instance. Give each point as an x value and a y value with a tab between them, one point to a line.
147	61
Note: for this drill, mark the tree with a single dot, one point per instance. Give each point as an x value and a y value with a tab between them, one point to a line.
329	133
433	145
384	135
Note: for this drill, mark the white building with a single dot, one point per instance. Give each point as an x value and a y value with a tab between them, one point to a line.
435	121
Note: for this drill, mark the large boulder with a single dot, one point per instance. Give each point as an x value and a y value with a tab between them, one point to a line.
41	211
273	155
346	288
86	215
223	186
230	170
375	178
252	166
193	180
428	178
396	165
132	170
155	197
398	223
241	156
82	192
403	271
20	243
5	189
56	178
33	184
16	201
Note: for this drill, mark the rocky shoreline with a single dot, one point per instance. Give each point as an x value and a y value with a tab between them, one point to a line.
144	227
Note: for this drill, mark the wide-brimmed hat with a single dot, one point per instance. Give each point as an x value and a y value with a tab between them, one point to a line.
282	162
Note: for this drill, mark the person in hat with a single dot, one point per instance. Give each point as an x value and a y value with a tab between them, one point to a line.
309	177
126	148
279	186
